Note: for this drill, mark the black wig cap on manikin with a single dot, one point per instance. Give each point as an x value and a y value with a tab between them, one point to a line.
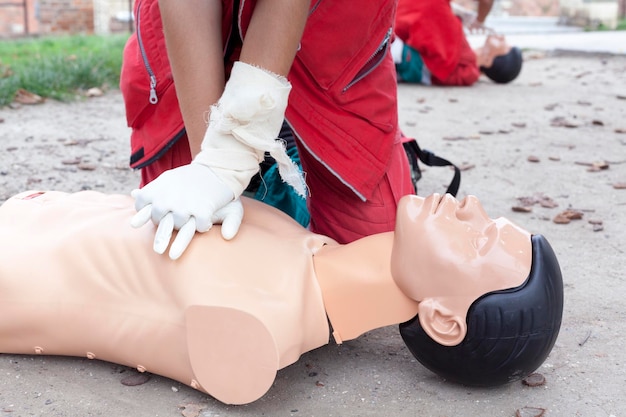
509	333
505	68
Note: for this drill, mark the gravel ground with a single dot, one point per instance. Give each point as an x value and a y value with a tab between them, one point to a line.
553	140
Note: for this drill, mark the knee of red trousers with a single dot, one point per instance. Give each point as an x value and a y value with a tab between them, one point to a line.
336	211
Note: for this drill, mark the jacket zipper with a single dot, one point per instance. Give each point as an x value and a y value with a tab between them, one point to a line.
154	99
318	159
314	7
373	61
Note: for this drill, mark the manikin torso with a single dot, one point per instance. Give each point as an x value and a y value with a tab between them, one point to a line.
113	298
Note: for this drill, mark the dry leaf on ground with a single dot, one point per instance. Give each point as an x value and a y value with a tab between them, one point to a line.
547	202
466	167
539	198
84	166
455	138
192	409
598	166
94	92
594	166
530	412
560	121
135	379
534	380
568	215
26	97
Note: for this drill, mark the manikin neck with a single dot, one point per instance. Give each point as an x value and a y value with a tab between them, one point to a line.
357	287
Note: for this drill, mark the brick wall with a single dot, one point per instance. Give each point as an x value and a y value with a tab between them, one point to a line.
66	16
13	18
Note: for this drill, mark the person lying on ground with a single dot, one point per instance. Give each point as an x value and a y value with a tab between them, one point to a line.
431	48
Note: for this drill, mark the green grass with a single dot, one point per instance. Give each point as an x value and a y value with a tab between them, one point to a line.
59	67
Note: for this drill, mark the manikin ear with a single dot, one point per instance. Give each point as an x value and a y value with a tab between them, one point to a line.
440	323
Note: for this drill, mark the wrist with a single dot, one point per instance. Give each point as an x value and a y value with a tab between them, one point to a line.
245	123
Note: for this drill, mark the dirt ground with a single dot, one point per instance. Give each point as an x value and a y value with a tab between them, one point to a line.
555	135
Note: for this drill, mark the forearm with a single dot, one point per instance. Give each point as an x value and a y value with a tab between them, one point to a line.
484	7
274	34
193	36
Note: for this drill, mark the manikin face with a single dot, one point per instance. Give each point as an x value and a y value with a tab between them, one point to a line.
497	45
451	253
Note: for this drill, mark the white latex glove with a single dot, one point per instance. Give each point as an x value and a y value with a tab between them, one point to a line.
189	198
243	125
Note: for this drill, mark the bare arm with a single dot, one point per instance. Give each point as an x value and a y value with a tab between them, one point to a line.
478	24
274	34
194	41
193	35
484	7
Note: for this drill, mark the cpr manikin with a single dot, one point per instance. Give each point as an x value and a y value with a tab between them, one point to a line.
76	279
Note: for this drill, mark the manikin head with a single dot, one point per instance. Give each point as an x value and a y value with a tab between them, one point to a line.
507	63
490	295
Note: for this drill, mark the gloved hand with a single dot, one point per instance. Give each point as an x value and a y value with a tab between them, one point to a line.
189	198
243	125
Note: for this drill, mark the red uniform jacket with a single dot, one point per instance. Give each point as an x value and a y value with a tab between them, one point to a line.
342	107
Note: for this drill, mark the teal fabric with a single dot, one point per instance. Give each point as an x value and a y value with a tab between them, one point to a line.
411	68
275	192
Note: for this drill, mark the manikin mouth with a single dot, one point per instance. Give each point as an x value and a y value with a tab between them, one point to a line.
437	200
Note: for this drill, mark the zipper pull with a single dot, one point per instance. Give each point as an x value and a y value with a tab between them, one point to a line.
153	95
